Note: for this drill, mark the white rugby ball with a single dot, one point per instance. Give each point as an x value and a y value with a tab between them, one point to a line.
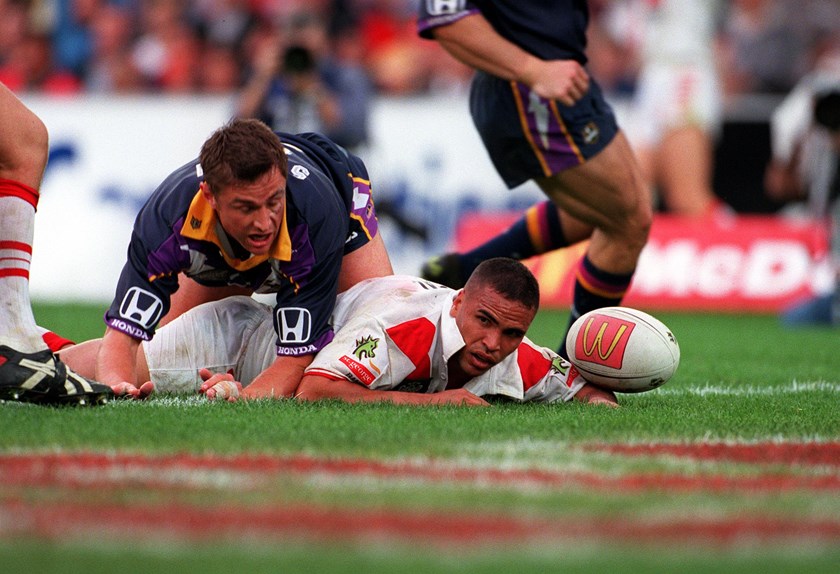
623	349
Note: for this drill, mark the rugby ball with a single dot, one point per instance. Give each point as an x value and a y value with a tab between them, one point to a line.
622	349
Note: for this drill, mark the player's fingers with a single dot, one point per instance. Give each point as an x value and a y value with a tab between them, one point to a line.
224	389
567	100
124	390
211	379
145	390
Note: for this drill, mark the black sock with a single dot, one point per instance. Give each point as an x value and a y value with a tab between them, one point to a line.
594	288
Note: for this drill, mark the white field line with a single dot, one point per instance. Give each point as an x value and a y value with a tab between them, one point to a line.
794	387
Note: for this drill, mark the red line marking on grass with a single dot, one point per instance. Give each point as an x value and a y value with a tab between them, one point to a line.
96	470
95	475
74	520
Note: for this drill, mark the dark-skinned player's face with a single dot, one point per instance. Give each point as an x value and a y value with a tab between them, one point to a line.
251	212
491	325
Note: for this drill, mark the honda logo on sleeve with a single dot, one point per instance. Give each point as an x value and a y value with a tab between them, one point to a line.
141	307
440	7
294	324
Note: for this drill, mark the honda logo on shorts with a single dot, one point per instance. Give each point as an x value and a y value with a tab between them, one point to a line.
141	307
294	324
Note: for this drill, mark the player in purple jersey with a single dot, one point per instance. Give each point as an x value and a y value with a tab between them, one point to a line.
257	212
542	117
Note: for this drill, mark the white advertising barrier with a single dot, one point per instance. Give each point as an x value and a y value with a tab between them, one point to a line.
426	163
739	264
107	154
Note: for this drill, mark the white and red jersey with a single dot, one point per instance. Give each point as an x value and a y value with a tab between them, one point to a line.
397	333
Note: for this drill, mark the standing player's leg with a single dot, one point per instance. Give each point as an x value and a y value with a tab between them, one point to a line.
28	369
542	229
608	192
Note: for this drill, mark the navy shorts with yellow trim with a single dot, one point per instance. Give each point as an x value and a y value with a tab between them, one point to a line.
529	137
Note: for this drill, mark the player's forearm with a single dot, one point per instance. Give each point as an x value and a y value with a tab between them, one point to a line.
314	388
280	380
474	42
116	361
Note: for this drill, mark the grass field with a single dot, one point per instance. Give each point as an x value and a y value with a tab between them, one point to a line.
733	466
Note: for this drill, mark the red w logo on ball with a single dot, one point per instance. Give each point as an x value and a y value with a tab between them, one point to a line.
603	340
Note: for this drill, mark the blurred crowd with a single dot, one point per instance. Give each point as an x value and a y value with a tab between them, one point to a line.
218	46
207	46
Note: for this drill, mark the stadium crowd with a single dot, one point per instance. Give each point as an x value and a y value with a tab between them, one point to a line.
215	46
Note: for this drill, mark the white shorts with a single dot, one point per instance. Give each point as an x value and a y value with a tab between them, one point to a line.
669	96
234	335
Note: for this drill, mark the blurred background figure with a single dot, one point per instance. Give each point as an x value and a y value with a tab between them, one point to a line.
676	109
298	86
805	137
111	68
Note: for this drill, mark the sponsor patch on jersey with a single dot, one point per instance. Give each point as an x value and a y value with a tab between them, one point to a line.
299	172
573	374
560	365
296	351
366	348
293	324
141	307
358	371
603	340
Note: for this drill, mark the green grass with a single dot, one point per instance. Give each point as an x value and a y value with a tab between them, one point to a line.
741	378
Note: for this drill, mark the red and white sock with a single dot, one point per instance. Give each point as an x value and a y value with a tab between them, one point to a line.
17	222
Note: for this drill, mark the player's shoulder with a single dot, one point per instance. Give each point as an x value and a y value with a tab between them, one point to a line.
172	198
310	147
397	294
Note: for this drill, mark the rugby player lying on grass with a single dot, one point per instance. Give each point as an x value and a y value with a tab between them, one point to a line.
398	339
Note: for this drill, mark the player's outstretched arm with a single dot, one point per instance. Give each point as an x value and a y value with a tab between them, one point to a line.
280	380
314	388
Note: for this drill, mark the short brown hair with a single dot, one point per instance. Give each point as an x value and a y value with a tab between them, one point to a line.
241	150
509	278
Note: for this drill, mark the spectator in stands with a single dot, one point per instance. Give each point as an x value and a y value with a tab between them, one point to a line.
805	132
297	85
167	51
112	68
29	67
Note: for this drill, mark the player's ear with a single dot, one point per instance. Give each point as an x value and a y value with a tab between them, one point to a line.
456	303
207	193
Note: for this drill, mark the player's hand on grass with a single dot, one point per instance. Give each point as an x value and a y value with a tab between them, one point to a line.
218	386
592	395
125	390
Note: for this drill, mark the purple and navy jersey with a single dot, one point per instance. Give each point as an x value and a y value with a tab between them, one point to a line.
550	30
328	213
